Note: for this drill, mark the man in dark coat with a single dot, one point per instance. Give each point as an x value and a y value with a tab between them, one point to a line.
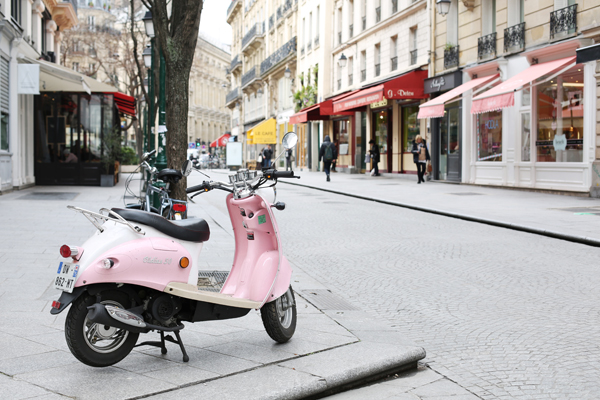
267	154
375	156
328	153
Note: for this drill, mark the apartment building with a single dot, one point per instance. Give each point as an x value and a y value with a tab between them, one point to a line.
261	71
511	104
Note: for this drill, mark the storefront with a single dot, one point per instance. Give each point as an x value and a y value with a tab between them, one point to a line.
537	128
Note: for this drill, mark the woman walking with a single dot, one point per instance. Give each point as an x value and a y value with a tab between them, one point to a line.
420	156
374	151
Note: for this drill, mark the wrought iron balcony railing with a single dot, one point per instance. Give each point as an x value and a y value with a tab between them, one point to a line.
363	75
451	57
377	14
394	63
394	6
256	30
278	56
413	56
250	76
232	95
232	6
377	69
514	38
563	21
486	46
237	61
364	23
351	31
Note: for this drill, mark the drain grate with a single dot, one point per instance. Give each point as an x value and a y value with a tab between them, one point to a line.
323	299
49	196
581	210
467	194
211	281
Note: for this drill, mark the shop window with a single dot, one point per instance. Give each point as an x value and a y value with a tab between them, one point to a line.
525	136
410	127
4	132
560	118
489	136
381	130
341	136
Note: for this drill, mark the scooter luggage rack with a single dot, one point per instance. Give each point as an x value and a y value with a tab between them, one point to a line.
97	219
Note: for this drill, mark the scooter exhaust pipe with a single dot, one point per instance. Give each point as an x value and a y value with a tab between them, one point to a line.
116	317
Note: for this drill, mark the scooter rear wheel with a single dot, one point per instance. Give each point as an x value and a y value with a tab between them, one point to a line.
94	344
279	317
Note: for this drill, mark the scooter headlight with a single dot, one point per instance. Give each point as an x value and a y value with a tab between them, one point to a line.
107	263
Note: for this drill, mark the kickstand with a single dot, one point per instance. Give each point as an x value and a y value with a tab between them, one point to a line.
163	347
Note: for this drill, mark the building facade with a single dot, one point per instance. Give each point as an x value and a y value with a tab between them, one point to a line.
29	30
208	118
533	123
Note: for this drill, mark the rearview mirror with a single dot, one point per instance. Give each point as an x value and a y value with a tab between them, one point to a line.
186	169
289	141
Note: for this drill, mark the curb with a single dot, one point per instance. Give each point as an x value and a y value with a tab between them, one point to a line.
516	227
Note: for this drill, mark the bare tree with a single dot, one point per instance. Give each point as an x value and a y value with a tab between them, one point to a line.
176	24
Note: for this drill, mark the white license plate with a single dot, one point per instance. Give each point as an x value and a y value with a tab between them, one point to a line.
66	277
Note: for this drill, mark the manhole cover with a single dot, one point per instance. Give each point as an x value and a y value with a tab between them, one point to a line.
467	194
323	299
49	196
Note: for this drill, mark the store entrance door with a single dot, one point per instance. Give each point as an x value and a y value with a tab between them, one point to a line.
449	146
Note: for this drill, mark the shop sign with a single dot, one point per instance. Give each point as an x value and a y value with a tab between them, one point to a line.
28	79
568	142
491	124
378	104
443	83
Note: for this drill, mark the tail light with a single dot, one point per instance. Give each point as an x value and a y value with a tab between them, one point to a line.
179	207
71	251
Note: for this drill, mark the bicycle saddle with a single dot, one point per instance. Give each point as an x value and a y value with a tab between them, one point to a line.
171	175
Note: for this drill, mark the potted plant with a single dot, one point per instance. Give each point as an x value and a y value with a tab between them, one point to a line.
449	46
112	152
91	4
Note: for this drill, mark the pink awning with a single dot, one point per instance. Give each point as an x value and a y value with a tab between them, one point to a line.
503	95
435	108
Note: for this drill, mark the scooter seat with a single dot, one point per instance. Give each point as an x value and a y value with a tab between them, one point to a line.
192	229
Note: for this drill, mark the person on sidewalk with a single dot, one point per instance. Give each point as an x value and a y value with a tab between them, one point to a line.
328	153
288	159
420	156
375	156
334	162
267	154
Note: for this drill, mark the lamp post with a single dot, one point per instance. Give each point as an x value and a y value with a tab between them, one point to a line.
343	60
443	6
148	61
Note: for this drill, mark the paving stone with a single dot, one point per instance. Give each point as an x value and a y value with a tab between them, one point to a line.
181	375
15	389
36	362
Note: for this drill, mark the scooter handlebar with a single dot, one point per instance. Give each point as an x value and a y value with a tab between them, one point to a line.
204	186
274	174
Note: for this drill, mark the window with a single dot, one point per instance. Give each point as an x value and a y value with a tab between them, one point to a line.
489	136
394	6
378	11
309	44
339	23
380	122
16	11
364	14
526	136
394	52
488	10
413	45
92	23
377	60
363	65
76	66
339	74
350	71
351	18
4	131
560	118
317	22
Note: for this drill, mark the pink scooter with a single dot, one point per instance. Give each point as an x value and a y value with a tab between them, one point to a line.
139	273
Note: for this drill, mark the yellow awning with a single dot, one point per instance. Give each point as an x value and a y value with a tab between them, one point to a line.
249	137
265	133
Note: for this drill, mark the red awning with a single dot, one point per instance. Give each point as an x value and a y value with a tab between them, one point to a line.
435	108
503	95
407	86
221	141
318	112
303	115
125	103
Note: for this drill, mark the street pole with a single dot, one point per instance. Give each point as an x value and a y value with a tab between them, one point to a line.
151	120
161	157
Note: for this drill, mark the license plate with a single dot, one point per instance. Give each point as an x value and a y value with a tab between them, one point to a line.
66	277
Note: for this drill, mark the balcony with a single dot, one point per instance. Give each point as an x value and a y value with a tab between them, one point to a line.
233	7
250	77
563	22
413	56
394	63
351	31
286	51
486	47
514	38
451	57
232	96
254	38
394	6
377	14
350	79
377	69
364	23
363	75
235	63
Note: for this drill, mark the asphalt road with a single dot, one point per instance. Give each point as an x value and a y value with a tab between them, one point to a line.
505	314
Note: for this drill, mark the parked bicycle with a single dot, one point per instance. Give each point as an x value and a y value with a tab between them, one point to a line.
157	185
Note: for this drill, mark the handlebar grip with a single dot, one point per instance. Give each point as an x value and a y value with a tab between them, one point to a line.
195	188
284	174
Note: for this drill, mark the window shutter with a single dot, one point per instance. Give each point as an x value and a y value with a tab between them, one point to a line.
4	84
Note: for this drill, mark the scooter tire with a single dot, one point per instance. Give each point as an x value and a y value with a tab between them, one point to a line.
84	348
280	324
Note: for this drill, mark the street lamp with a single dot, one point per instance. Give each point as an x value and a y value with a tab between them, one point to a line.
148	24
147	54
342	61
443	6
287	73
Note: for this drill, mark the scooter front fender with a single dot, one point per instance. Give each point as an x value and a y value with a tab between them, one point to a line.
151	262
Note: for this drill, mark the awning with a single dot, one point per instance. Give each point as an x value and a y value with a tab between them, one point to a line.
319	112
407	86
503	95
125	103
263	133
221	141
435	108
308	114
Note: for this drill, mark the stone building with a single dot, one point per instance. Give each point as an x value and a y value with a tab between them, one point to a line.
511	106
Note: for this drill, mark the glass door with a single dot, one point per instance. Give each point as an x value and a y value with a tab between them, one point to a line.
450	156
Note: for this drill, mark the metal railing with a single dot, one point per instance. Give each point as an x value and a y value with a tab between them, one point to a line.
563	21
235	62
413	56
232	6
249	76
278	56
232	95
514	37
351	30
255	31
377	69
394	63
451	57
394	6
363	75
486	46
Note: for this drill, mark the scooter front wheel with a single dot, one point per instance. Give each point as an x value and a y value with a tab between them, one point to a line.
279	317
94	344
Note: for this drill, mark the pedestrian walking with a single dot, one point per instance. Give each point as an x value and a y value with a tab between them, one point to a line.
267	154
288	159
334	162
375	156
420	156
328	153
